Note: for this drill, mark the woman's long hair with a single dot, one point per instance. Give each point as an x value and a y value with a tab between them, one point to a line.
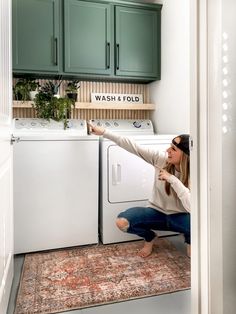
184	173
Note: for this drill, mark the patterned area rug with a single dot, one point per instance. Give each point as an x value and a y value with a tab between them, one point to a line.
75	278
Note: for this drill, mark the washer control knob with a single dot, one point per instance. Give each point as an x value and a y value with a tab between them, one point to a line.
137	124
69	125
116	124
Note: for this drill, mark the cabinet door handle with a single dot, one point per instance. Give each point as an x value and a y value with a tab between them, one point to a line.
55	51
117	56
108	55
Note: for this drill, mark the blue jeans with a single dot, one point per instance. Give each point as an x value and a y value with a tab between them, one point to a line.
143	220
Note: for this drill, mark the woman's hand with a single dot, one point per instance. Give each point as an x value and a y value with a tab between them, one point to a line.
97	130
164	175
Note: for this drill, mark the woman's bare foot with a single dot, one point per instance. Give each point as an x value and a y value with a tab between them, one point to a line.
147	249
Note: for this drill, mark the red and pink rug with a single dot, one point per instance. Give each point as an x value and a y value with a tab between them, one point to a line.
75	278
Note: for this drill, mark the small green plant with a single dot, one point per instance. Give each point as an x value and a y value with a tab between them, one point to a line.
50	88
72	86
72	89
21	90
33	85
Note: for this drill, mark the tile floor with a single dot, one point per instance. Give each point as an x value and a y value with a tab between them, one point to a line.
174	303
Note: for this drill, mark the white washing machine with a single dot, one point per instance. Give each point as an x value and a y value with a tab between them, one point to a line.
55	185
125	179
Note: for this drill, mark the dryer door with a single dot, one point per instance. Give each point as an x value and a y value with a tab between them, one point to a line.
129	177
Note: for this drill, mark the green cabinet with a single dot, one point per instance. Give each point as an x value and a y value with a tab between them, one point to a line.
35	40
120	41
87	42
137	33
107	39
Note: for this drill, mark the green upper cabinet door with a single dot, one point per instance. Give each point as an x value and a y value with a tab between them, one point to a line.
137	41
35	36
87	37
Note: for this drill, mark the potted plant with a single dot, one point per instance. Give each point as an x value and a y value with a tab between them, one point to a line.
48	106
33	88
25	89
72	89
50	89
21	90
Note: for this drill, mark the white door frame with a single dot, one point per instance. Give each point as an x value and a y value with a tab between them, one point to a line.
205	91
6	199
206	197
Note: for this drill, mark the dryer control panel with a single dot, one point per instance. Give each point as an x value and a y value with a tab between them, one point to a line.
126	126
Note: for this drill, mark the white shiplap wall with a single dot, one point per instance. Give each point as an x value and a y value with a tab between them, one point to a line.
84	95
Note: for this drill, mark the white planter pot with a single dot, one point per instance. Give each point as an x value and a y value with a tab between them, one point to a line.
33	94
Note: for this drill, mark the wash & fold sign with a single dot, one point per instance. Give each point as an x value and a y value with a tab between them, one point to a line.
124	98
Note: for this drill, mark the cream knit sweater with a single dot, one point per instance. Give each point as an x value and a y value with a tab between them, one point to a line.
159	200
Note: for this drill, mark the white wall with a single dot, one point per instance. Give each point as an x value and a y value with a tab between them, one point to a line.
171	93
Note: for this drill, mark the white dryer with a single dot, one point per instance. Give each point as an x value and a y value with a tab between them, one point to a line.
125	179
55	185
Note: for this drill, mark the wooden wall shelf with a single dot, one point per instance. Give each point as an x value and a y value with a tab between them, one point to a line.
89	105
114	106
22	104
